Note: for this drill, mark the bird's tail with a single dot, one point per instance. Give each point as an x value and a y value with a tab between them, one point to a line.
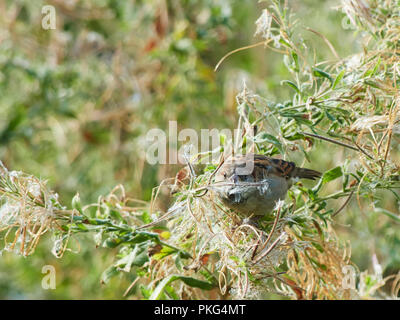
307	173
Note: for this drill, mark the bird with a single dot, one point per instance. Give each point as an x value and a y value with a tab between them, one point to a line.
252	184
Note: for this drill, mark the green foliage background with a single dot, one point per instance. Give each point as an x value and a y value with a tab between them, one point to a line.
77	101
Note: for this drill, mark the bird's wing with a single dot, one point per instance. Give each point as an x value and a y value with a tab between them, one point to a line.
265	166
285	169
277	167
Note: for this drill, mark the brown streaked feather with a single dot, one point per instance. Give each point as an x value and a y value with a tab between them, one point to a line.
278	167
307	173
264	165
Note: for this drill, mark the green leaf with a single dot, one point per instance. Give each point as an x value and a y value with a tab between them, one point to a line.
330	117
171	292
146	293
371	72
319	265
137	257
265	137
332	174
322	74
372	84
296	61
116	214
338	78
196	283
145	217
142	236
82	227
158	291
294	136
318	247
140	259
108	274
388	214
284	42
291	84
76	203
165	251
345	181
112	243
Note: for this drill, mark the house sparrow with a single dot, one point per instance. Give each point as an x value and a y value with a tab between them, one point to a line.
257	190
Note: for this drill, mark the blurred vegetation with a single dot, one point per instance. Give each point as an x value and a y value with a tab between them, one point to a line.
77	102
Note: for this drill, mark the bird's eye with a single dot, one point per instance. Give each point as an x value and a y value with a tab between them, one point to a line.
224	175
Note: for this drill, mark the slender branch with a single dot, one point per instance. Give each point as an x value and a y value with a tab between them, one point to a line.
278	214
241	49
344	205
330	140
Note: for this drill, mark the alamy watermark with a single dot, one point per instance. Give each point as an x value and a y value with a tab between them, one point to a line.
208	144
49	18
49	280
349	279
